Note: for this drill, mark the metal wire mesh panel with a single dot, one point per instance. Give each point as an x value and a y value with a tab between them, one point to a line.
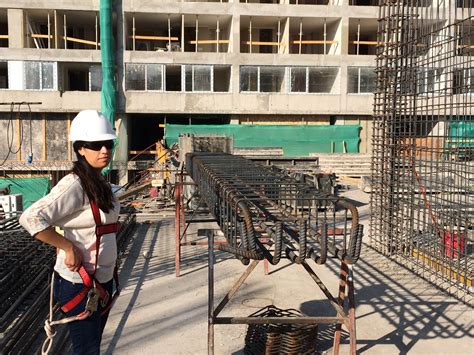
423	140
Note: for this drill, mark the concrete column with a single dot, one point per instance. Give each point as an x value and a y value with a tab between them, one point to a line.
344	35
16	28
285	38
121	151
235	34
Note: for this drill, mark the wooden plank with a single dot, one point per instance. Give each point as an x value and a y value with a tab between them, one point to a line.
314	41
370	43
465	46
142	152
438	265
210	41
258	43
40	35
156	38
78	40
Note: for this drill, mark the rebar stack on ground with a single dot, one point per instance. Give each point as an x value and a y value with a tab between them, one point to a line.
25	270
423	140
256	205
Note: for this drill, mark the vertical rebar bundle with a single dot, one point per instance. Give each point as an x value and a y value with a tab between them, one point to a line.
423	140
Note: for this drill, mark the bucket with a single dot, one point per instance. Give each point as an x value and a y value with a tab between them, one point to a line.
452	240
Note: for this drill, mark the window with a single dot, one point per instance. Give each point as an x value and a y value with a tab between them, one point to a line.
249	79
298	82
322	80
361	80
463	81
198	78
95	78
426	80
272	79
144	77
262	79
300	79
40	75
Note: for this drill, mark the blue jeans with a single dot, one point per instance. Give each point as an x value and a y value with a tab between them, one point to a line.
86	334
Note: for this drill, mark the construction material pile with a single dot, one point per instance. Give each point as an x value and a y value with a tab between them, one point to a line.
26	265
258	207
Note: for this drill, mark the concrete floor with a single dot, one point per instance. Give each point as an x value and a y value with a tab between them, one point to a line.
157	313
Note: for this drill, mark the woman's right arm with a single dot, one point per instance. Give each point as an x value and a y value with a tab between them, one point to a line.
73	259
64	199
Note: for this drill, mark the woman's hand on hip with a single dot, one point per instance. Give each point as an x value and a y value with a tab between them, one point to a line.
73	258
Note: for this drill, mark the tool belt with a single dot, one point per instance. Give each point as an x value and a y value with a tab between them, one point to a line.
92	289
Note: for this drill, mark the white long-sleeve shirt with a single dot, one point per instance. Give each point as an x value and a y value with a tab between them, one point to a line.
68	207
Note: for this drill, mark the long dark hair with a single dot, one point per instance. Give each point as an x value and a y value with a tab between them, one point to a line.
94	185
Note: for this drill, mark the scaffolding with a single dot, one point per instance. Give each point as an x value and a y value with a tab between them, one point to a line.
423	141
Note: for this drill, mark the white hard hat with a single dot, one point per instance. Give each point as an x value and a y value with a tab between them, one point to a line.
91	126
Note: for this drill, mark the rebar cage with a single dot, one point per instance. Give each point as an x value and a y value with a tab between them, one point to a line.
423	140
255	204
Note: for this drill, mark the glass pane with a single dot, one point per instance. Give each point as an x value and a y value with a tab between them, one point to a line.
367	80
249	79
135	77
47	76
96	77
271	79
322	80
298	80
353	80
32	75
188	77
202	78
154	77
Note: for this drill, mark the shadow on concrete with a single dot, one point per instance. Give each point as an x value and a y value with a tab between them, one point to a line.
409	305
137	270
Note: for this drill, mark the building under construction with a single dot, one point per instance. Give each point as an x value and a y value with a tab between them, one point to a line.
232	116
188	63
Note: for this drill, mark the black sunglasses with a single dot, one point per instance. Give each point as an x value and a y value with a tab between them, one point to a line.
98	145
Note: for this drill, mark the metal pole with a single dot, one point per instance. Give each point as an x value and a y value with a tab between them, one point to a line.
65	32
96	33
301	35
133	32
169	33
210	309
197	33
217	33
250	36
177	224
49	31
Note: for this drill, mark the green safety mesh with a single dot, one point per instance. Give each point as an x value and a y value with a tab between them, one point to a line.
32	188
461	134
108	104
294	140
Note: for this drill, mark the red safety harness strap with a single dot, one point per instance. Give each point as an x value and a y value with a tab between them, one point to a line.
89	279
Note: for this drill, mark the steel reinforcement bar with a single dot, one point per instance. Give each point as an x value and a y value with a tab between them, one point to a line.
25	269
263	212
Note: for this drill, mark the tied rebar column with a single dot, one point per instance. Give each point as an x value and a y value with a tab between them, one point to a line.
423	140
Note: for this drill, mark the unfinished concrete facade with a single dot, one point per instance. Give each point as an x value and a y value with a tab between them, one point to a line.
268	62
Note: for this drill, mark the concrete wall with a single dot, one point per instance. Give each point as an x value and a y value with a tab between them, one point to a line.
44	136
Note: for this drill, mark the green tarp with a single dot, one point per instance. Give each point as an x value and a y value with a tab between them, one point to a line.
107	54
32	188
294	140
461	134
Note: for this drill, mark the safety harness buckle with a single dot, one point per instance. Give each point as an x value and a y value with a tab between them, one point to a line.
92	300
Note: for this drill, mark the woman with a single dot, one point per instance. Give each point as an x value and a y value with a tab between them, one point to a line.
85	260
